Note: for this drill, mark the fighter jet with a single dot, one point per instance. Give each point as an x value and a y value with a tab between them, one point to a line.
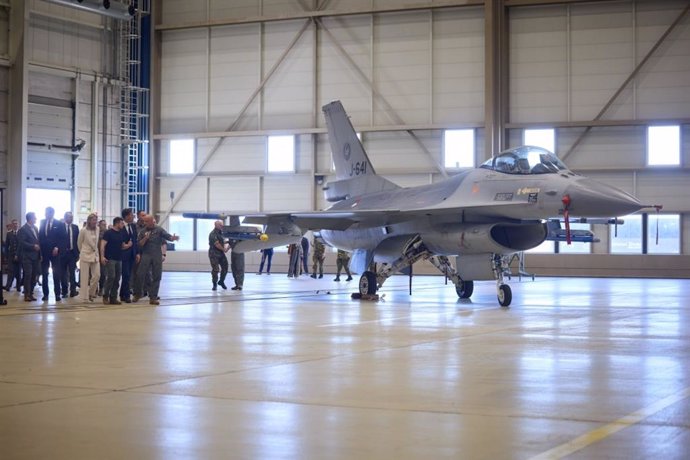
478	215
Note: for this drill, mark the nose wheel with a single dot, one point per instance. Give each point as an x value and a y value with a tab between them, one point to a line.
367	283
464	289
505	295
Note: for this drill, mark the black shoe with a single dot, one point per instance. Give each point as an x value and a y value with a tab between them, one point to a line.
314	276
236	288
44	298
58	298
321	276
349	278
214	288
222	284
127	300
337	278
73	294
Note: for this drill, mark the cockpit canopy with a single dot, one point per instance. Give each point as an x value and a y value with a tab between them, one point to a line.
525	160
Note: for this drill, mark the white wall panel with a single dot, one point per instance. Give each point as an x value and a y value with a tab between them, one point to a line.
194	200
607	148
287	192
184	80
66	44
601	58
568	60
235	75
223	9
304	152
235	155
663	88
458	65
402	60
184	11
538	67
661	187
337	79
324	157
288	95
234	194
396	151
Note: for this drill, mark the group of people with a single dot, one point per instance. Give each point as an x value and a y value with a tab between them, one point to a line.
299	256
124	260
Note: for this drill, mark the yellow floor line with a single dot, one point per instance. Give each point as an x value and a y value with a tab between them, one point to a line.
605	431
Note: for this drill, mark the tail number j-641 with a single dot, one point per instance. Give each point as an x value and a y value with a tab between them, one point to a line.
359	168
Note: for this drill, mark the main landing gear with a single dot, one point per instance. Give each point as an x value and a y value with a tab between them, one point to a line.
503	291
415	250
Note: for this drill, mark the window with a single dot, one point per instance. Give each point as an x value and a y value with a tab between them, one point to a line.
547	247
575	247
663	145
178	225
281	153
38	199
629	239
458	148
182	156
544	138
669	234
203	229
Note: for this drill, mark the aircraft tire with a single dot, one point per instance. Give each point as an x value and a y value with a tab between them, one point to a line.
367	283
464	289
505	295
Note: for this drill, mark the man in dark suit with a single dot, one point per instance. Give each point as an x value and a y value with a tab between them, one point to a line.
50	235
30	250
69	256
130	256
14	265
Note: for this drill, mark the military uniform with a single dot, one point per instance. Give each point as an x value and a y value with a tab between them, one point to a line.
218	259
318	257
151	259
343	262
237	267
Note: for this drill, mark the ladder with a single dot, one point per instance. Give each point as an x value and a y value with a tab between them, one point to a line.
134	109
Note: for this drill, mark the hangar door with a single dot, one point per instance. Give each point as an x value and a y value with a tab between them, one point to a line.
50	163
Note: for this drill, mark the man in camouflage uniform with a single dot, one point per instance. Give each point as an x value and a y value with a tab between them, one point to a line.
237	267
150	240
318	257
216	255
343	261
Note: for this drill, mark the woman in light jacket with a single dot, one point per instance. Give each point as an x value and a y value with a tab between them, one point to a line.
89	266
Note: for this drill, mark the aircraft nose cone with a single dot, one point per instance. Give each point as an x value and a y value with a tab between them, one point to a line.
593	199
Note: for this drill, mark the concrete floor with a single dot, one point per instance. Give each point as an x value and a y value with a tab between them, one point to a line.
577	368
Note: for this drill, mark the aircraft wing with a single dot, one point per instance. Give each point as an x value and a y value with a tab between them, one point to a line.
342	220
330	220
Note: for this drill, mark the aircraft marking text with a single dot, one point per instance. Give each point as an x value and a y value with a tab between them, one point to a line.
358	168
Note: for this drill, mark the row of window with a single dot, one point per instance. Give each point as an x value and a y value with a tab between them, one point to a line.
663	145
638	235
663	149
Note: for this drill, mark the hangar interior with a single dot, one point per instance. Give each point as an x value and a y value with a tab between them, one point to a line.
215	106
221	81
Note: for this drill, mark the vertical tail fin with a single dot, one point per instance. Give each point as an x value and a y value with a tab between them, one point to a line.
348	154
